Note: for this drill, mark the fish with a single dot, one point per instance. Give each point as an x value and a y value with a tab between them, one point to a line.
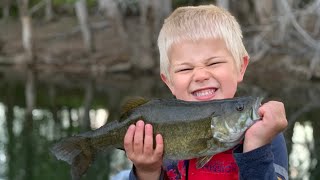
190	129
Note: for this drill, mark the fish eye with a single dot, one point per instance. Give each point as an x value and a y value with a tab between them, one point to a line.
240	107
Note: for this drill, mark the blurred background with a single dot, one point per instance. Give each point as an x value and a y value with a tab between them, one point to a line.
66	67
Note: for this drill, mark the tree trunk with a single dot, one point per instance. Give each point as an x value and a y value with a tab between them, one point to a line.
284	21
27	36
241	9
143	8
88	98
52	101
317	24
6	9
70	128
48	10
143	58
30	92
153	13
82	14
263	9
110	9
27	39
11	145
28	142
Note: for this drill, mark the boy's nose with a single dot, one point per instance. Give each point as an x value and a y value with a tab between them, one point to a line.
201	74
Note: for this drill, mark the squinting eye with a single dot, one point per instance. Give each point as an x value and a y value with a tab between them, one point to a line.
186	69
215	63
240	107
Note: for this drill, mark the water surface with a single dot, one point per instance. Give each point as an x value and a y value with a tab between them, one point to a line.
37	108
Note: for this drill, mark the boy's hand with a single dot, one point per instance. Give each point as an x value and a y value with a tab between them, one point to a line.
138	144
262	132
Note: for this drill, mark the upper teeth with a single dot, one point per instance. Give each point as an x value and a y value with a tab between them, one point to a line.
204	92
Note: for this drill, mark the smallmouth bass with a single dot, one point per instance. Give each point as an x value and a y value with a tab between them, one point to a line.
189	129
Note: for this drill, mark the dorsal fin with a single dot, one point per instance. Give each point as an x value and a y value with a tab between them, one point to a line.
132	103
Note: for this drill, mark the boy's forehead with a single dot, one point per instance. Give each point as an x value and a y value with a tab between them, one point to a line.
194	44
200	50
178	41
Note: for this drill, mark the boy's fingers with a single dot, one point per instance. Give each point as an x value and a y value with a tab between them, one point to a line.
261	110
148	140
159	146
138	137
128	139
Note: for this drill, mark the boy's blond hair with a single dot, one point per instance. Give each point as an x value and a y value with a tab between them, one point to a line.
200	22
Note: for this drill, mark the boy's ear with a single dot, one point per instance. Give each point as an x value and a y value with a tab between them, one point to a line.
166	80
243	68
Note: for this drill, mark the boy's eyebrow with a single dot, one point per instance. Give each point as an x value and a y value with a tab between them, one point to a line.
205	60
214	57
181	64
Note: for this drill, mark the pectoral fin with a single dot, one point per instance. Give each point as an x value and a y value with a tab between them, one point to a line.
198	147
212	148
202	161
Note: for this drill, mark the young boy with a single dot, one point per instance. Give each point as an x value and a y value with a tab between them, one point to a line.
202	57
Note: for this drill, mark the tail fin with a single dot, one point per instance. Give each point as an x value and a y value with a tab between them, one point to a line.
76	151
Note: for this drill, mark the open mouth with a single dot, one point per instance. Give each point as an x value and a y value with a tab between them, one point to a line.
203	93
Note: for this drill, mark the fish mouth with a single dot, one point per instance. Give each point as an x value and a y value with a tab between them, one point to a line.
204	93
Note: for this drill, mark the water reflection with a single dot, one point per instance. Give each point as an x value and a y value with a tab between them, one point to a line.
303	145
37	109
3	141
98	118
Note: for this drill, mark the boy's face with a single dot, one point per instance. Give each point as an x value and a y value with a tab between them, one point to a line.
203	70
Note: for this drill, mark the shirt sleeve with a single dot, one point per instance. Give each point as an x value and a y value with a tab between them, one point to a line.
267	162
133	176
